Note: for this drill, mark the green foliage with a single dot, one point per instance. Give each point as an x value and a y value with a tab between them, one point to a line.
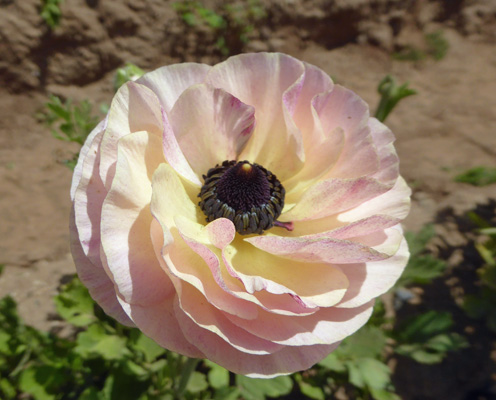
231	23
69	122
478	176
129	72
436	46
422	267
426	339
481	305
50	12
391	94
259	389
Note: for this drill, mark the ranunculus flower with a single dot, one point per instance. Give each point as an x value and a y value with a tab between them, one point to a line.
248	213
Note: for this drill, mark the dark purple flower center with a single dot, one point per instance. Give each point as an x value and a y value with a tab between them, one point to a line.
247	194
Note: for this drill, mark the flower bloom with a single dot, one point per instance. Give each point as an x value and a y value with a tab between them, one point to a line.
248	213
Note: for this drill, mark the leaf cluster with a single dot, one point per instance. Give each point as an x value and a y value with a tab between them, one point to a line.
50	12
231	23
478	176
481	305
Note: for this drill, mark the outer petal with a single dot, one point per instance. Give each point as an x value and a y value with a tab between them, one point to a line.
159	322
371	279
326	326
192	303
211	126
284	361
271	83
78	170
134	108
85	232
126	220
95	278
169	82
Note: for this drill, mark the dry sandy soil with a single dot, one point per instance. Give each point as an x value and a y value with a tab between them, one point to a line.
445	129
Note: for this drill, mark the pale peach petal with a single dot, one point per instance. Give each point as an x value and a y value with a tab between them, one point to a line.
88	200
158	321
315	82
94	277
395	203
190	259
318	250
170	198
174	155
78	170
333	196
388	159
285	361
126	219
315	284
326	326
271	83
169	82
134	108
371	279
203	314
211	126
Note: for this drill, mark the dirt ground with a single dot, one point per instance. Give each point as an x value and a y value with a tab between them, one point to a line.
444	130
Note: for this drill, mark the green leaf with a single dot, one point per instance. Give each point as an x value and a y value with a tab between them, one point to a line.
150	349
478	176
391	94
4	343
227	393
333	363
422	327
418	241
367	342
7	389
74	304
91	394
257	389
375	373
197	383
41	381
421	270
96	343
383	394
218	377
310	391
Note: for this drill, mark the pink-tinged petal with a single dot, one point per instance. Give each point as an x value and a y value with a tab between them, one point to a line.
134	108
88	200
371	279
326	326
169	82
285	361
342	108
78	170
190	259
170	198
318	250
362	227
174	155
332	196
211	126
388	159
94	277
193	304
271	83
395	203
321	154
159	322
315	82
314	284
126	219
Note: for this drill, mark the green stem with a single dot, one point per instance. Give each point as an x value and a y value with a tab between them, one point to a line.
186	372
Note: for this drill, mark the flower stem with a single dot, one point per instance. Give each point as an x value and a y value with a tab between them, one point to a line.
186	372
